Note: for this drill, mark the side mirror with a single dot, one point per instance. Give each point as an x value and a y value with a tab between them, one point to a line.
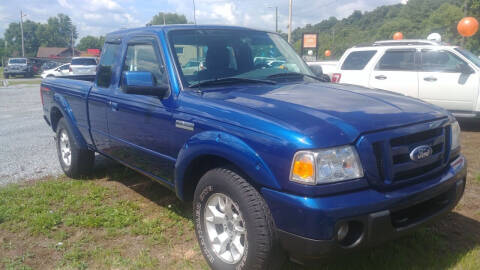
466	69
317	70
142	83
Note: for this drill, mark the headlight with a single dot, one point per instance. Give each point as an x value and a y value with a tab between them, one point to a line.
455	136
326	165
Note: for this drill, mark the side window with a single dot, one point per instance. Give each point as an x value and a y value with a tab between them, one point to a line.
65	67
397	60
106	66
192	58
441	61
142	57
357	60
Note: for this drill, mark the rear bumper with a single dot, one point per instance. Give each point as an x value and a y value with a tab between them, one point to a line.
16	72
307	227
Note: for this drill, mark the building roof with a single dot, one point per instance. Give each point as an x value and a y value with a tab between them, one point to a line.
46	52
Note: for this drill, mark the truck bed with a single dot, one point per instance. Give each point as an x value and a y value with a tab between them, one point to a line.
69	92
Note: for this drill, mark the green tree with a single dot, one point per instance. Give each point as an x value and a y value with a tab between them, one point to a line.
13	37
90	42
57	32
168	18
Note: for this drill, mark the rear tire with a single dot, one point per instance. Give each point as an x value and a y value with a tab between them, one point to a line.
75	161
239	235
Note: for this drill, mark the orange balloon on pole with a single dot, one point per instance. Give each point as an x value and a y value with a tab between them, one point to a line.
467	26
328	53
398	36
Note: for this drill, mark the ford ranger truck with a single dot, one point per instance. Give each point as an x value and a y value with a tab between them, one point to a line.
276	162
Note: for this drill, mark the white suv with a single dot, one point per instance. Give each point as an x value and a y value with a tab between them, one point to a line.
83	66
447	76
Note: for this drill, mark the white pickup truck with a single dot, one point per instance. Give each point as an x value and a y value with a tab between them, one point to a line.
328	67
444	75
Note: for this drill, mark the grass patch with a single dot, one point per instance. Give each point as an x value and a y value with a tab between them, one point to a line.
133	223
477	179
92	224
29	82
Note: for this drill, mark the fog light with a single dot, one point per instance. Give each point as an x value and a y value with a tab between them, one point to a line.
342	232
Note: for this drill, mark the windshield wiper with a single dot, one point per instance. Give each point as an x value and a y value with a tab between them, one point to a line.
230	80
294	74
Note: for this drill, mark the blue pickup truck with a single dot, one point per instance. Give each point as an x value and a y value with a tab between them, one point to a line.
277	162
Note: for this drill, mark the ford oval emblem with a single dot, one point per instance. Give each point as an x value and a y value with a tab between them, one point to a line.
421	152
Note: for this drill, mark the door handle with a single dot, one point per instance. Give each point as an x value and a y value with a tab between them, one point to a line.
380	77
113	105
430	79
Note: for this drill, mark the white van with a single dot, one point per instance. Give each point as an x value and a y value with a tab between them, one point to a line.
447	76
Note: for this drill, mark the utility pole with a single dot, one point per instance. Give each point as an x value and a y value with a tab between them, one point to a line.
464	15
290	22
73	48
21	30
194	11
164	23
276	19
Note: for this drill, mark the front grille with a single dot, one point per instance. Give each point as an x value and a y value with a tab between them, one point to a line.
393	161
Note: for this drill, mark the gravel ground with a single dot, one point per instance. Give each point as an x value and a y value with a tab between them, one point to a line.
27	148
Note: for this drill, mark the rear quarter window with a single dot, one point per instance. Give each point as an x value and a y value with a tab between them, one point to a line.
84	62
397	60
357	60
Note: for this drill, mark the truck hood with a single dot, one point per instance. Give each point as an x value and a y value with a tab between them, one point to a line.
322	108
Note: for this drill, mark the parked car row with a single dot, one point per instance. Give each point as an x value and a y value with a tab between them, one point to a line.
78	66
29	67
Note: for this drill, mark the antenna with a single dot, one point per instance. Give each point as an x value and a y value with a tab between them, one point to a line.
194	17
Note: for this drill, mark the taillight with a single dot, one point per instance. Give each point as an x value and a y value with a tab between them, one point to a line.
336	77
43	89
70	69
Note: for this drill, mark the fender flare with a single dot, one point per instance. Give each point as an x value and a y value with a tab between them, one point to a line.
228	147
62	104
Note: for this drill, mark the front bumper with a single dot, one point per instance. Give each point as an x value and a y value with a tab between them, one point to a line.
307	227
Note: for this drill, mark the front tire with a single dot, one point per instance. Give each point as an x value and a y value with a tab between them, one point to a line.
233	223
75	161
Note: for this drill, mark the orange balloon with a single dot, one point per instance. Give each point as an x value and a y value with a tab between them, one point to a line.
398	36
467	26
328	53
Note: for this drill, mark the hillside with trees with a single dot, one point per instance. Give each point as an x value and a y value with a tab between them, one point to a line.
416	19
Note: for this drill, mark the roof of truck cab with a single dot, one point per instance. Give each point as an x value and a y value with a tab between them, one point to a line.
171	27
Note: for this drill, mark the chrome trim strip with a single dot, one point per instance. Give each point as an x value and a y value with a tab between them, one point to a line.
185	125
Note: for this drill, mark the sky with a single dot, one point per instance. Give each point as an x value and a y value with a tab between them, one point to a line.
98	17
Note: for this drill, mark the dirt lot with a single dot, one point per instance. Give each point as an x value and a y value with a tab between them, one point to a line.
121	220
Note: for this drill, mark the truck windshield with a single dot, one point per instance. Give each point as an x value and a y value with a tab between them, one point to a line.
206	55
17	61
470	56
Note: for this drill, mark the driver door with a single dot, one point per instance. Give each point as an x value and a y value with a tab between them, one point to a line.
140	126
